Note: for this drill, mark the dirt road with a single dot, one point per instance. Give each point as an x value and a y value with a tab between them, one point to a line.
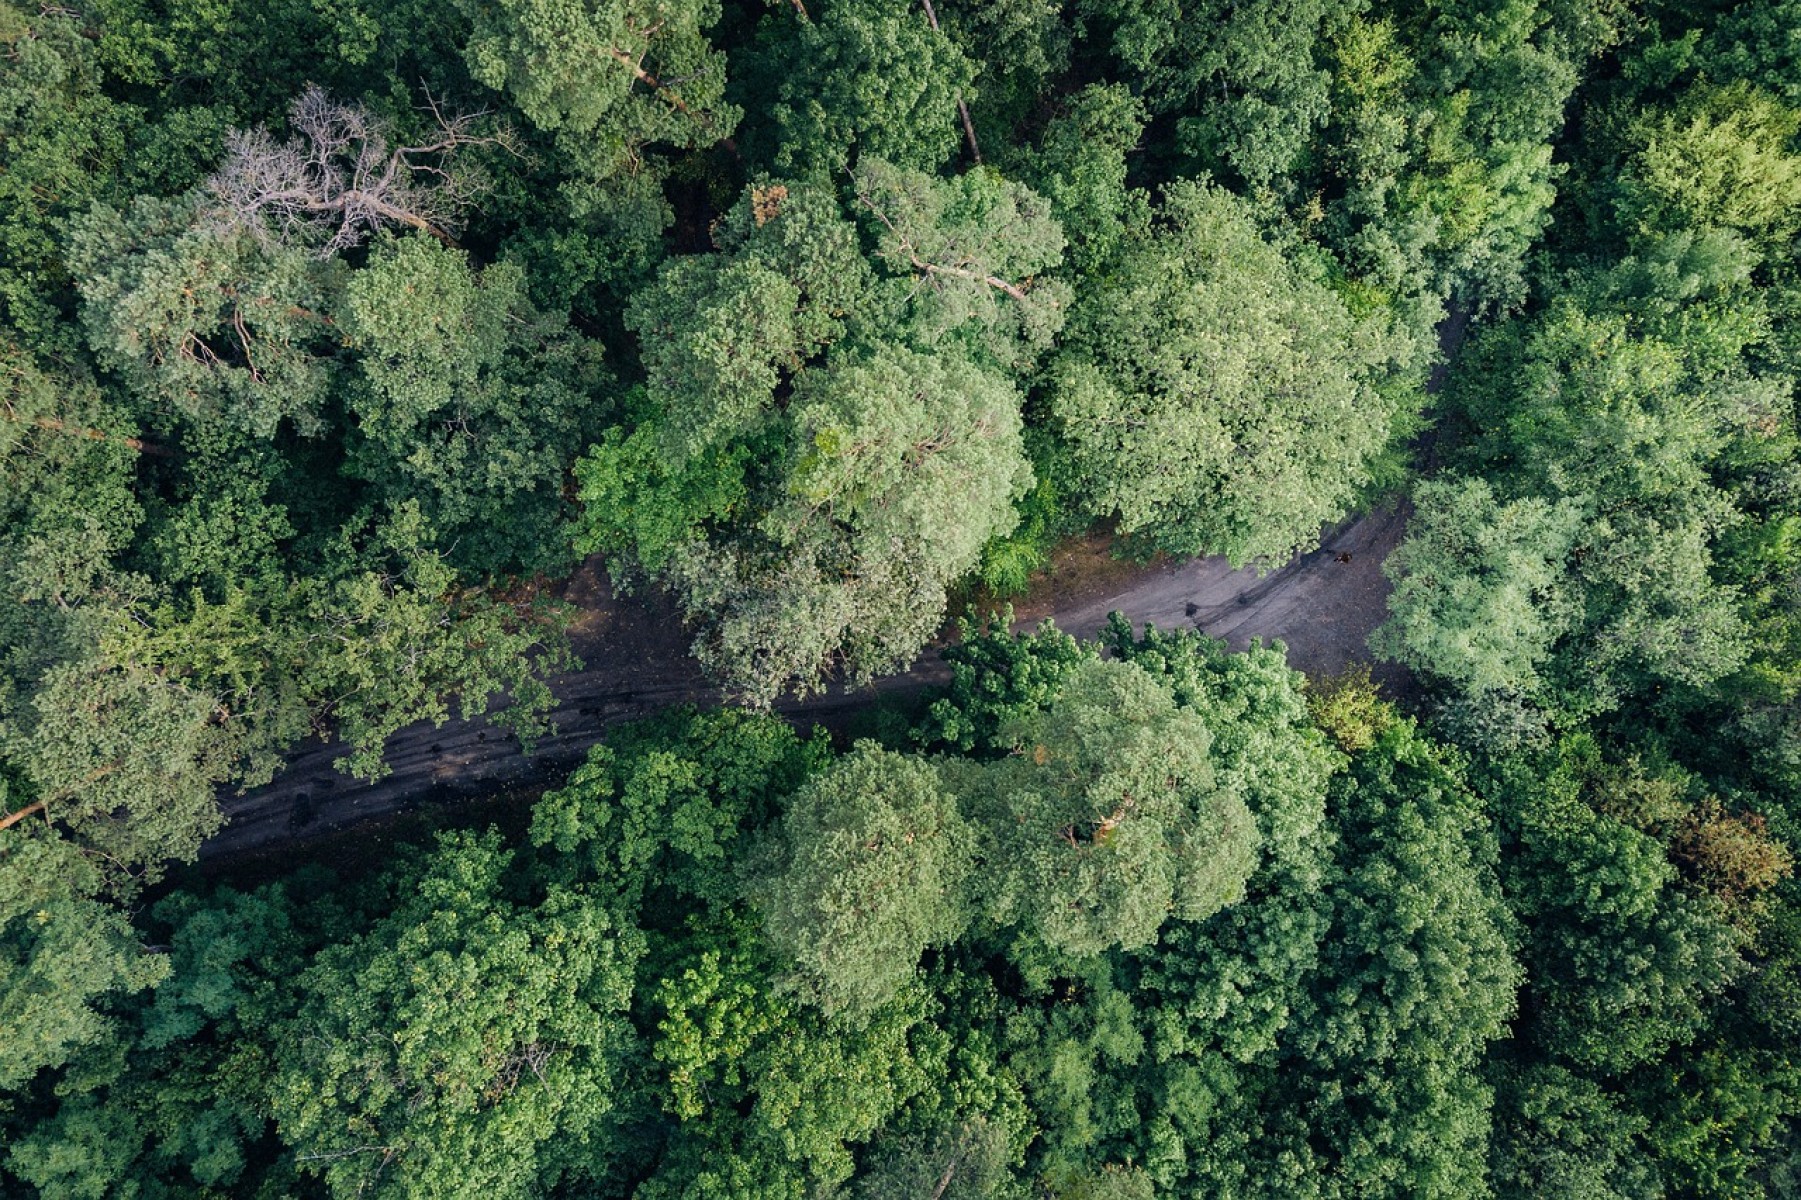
1323	605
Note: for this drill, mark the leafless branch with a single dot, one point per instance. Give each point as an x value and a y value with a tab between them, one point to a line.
11	819
338	177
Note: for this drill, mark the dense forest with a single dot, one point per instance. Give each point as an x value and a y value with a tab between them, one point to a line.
337	333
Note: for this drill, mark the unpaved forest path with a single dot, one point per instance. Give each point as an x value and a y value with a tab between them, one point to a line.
1323	605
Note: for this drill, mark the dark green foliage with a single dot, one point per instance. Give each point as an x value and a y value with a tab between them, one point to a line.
65	953
468	400
467	1042
998	678
858	78
665	805
820	314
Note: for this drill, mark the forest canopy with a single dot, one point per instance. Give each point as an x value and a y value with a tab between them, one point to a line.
335	339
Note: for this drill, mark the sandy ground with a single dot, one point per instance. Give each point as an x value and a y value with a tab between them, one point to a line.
1322	605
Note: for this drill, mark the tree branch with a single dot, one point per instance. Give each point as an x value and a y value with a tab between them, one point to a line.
969	128
669	94
11	819
57	425
931	268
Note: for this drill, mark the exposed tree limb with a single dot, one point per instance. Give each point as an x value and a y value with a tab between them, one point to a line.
969	128
339	176
57	425
11	819
907	247
668	94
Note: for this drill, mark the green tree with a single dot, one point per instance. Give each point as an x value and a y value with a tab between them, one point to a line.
1109	817
1381	1066
64	955
1726	156
1480	596
611	81
64	138
179	1103
1244	80
870	868
465	1044
968	251
1625	963
856	78
902	468
1213	398
772	1095
208	322
470	401
664	809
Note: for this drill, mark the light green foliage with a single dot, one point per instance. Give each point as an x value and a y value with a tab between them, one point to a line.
818	460
969	250
1621	431
1213	398
1230	982
1155	918
1109	817
719	333
63	954
154	702
871	865
907	450
405	642
639	507
903	467
793	617
1479	595
471	401
207	322
1443	142
466	1044
862	78
131	762
1727	157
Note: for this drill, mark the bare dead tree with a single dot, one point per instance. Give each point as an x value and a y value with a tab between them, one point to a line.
339	179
